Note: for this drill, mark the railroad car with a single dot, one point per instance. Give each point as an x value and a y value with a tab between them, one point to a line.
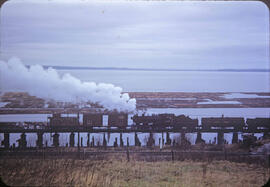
57	121
156	120
142	120
10	125
183	121
162	120
223	123
118	119
92	120
255	123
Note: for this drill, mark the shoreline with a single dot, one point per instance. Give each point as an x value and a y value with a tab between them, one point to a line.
147	100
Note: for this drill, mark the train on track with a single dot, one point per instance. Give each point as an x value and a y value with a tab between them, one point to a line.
158	121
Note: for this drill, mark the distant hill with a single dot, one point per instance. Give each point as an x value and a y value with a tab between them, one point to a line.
151	69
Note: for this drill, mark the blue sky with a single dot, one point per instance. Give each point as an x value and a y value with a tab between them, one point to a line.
137	34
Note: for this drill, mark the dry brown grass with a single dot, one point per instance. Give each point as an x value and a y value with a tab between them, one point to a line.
117	172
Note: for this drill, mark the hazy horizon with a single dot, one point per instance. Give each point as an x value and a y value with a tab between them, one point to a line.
149	69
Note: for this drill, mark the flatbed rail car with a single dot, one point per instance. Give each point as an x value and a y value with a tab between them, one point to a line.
255	123
223	123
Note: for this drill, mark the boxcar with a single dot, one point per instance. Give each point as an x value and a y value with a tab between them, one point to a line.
94	120
223	122
183	121
57	121
256	123
118	120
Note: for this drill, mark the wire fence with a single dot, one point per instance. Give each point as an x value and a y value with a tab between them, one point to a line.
139	155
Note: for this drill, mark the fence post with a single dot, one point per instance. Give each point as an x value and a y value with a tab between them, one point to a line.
172	155
268	160
127	155
268	164
225	153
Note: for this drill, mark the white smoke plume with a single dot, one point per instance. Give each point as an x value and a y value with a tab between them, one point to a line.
48	84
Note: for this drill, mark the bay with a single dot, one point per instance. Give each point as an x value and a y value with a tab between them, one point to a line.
174	81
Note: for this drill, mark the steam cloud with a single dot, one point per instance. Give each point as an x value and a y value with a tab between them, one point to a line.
48	84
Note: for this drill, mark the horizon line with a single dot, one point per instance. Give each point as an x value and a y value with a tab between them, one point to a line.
150	69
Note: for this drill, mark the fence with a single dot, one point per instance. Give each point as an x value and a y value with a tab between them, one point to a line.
142	155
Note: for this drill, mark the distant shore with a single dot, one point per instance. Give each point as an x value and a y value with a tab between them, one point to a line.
201	99
153	100
151	69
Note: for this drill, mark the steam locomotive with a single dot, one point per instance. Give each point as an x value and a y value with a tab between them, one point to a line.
165	120
159	121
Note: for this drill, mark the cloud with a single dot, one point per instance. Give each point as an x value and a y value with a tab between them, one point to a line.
137	34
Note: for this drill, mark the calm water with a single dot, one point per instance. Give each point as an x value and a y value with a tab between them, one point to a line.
167	81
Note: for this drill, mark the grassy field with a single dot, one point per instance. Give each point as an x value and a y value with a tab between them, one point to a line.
60	172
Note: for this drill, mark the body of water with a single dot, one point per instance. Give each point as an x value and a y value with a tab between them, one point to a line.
177	81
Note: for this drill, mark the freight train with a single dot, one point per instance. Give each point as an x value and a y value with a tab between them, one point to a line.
159	121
